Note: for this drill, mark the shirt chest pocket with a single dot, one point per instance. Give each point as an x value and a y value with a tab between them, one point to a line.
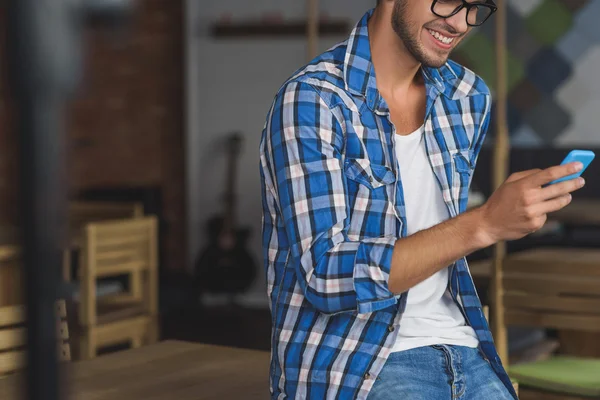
463	173
373	176
370	190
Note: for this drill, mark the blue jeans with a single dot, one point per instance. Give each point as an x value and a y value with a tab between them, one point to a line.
438	373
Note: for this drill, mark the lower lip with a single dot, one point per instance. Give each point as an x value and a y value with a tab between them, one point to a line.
440	44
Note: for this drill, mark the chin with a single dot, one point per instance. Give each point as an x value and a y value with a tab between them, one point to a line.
435	64
432	60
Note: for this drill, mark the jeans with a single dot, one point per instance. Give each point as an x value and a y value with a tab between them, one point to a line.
438	372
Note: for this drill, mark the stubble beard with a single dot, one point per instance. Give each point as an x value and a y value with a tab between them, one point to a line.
404	29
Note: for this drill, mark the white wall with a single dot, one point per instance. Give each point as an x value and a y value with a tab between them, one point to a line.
230	86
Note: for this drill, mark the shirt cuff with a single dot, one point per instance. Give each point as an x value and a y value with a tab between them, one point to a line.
371	274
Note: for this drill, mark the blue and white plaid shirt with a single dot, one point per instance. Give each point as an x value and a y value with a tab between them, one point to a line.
333	209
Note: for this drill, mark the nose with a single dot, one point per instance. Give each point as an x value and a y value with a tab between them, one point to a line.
459	21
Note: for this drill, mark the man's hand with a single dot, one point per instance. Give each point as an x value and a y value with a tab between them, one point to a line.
516	209
520	205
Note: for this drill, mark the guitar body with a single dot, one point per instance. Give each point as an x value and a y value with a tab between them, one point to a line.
223	269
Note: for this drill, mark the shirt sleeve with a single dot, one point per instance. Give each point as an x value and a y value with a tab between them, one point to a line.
301	153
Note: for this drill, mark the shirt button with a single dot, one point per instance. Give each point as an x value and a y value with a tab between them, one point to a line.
391	328
367	376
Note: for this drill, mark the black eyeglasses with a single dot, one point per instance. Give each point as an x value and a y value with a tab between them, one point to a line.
477	11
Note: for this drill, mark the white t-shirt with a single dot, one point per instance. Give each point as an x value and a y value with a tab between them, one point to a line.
431	316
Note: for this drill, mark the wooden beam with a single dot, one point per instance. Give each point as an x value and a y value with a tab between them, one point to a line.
500	172
312	28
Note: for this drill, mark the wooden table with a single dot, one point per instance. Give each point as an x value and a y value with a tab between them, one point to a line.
166	370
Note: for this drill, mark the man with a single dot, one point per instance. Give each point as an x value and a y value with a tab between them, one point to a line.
366	160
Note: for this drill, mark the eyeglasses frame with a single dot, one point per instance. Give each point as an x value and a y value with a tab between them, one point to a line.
465	4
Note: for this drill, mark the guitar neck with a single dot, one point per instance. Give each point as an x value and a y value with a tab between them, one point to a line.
229	220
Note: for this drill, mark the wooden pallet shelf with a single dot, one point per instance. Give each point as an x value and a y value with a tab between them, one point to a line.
254	29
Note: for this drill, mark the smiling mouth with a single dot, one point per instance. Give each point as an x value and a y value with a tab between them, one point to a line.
441	38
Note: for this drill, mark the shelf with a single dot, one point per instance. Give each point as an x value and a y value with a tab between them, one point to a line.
252	29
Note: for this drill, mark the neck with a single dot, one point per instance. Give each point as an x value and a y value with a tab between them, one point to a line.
395	67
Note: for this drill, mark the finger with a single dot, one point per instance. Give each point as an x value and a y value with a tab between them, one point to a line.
553	205
522	174
561	188
553	173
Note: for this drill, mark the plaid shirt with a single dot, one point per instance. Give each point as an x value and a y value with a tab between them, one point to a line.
333	209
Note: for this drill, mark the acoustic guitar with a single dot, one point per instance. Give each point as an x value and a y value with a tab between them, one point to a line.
226	266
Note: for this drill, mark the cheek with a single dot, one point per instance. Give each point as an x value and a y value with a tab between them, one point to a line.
425	36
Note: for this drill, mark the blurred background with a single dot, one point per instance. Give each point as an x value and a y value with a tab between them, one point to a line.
166	127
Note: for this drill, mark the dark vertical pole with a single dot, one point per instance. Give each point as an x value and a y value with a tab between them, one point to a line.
42	216
44	67
42	59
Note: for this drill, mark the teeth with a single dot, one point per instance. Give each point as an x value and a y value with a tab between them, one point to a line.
441	38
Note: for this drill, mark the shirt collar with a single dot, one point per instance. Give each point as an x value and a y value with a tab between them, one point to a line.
359	72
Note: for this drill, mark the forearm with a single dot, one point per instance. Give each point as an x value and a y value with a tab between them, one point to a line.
419	256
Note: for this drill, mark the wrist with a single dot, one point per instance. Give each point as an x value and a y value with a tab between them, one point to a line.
482	233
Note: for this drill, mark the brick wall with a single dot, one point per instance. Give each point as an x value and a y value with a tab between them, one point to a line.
126	126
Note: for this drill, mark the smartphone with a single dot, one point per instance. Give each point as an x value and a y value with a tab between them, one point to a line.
583	156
